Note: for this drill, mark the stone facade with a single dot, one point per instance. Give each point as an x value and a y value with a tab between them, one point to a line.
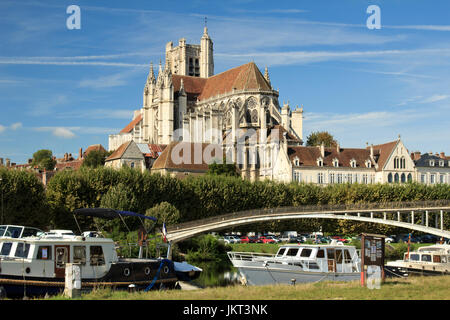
187	102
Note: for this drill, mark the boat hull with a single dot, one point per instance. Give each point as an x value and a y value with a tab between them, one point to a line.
154	274
403	272
266	276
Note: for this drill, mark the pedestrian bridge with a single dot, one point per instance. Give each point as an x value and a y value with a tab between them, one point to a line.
424	216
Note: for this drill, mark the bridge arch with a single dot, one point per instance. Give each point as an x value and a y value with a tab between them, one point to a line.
374	215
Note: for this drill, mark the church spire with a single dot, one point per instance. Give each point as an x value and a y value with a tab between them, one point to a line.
266	75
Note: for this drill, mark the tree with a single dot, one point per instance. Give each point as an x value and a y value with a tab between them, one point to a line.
43	159
316	139
164	212
95	158
224	169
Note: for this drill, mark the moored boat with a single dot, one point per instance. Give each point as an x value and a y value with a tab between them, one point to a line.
426	261
33	262
299	263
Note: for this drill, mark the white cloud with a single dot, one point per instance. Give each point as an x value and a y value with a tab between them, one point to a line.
60	132
2	128
16	125
435	98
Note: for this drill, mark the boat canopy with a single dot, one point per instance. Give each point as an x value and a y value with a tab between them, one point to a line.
109	213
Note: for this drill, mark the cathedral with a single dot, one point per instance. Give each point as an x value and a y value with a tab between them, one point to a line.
237	109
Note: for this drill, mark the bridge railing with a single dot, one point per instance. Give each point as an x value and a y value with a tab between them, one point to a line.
386	206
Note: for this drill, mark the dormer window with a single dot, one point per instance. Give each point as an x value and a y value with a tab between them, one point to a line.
441	163
296	161
431	163
320	162
353	163
368	164
335	162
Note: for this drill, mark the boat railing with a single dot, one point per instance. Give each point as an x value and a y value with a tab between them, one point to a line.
248	256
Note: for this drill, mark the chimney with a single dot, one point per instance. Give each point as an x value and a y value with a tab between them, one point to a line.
8	162
322	150
371	150
416	155
1	161
66	156
338	148
442	155
80	154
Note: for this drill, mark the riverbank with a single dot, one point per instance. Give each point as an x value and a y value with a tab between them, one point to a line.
415	288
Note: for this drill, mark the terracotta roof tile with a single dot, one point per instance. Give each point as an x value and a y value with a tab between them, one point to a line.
168	158
382	152
308	156
132	124
117	154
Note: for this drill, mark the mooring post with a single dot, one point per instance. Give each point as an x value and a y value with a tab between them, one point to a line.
72	287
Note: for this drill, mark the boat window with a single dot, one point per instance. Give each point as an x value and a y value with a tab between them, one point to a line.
6	248
330	253
281	252
320	253
13	232
347	256
2	230
437	259
426	257
61	256
29	232
292	252
443	259
44	253
339	256
79	254
97	258
414	257
22	250
305	253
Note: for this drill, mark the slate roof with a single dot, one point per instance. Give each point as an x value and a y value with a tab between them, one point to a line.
425	158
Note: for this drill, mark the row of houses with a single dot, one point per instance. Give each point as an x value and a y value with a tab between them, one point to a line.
384	163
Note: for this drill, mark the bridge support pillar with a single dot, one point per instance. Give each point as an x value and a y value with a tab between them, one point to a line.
412	217
442	219
426	218
398	216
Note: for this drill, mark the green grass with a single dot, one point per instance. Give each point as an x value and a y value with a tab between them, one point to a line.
417	288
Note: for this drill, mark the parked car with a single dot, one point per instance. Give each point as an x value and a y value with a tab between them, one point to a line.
229	239
274	238
429	238
388	240
236	238
339	239
266	239
246	239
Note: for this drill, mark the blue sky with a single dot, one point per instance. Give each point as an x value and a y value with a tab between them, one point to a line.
63	89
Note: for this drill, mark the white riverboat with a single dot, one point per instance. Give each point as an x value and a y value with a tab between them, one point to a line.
299	263
33	262
429	260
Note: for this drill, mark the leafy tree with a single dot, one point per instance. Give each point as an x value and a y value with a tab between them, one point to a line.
224	169
96	158
164	212
316	138
43	159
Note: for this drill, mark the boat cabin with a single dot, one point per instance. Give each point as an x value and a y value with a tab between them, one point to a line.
432	254
46	255
330	258
12	231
